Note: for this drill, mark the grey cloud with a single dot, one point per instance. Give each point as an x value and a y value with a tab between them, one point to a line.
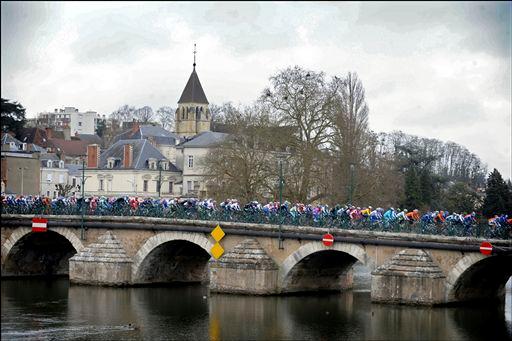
22	23
449	112
484	26
117	36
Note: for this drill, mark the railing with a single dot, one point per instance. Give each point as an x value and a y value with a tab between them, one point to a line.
283	217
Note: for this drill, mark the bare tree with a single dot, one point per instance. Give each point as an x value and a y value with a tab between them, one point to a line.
350	137
125	113
165	116
302	99
243	166
144	114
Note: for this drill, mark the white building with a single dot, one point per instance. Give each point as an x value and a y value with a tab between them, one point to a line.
190	156
78	122
130	168
53	173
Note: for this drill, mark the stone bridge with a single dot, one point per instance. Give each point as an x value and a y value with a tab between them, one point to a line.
405	268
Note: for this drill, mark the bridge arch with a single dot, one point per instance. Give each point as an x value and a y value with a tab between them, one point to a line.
351	253
46	253
478	277
159	240
21	232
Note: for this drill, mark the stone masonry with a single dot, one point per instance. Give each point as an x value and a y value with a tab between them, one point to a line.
247	269
102	263
410	277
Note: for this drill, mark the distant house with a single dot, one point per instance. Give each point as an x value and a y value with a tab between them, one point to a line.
53	173
20	168
164	140
130	168
189	156
71	151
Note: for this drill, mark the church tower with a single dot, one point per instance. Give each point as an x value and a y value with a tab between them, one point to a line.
193	115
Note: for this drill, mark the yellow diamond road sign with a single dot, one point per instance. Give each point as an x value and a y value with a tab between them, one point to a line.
217	233
217	251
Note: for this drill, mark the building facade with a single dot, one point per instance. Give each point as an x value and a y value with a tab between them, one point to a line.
53	173
130	168
78	122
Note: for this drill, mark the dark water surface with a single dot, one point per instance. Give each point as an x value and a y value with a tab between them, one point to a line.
38	309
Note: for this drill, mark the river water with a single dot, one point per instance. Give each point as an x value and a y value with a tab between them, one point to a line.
39	309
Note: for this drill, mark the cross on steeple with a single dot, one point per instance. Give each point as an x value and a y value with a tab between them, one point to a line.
194	56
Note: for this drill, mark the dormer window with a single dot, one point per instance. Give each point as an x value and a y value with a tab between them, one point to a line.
111	162
49	163
61	164
152	163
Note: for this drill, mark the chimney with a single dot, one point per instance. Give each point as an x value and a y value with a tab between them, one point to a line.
93	156
135	127
127	155
49	133
67	132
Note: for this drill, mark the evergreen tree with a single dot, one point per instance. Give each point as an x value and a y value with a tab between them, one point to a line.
12	117
412	189
497	195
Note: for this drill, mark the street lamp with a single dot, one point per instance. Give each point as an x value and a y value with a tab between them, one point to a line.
281	157
82	209
134	185
22	169
351	193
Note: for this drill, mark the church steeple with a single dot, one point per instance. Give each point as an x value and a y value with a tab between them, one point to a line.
192	115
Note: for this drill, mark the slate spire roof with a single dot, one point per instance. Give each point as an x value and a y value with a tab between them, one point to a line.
193	92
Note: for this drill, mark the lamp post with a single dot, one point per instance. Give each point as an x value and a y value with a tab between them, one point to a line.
351	193
82	213
134	185
280	158
22	169
160	179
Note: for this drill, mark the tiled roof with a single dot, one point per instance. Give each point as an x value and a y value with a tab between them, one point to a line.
159	134
142	151
193	92
204	140
69	148
90	138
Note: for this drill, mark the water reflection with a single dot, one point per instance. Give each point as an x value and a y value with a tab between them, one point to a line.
37	309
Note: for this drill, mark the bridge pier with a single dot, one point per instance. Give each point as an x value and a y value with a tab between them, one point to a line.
409	277
102	263
247	269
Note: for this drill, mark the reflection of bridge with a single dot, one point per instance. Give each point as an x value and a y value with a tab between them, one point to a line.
406	268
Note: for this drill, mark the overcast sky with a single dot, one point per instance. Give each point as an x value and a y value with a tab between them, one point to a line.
439	70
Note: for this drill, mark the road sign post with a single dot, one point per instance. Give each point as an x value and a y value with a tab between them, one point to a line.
486	248
328	239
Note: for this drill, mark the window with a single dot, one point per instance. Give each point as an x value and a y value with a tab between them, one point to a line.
73	182
157	185
145	187
61	178
190	161
47	193
49	178
79	124
196	185
54	194
49	163
61	164
101	185
170	187
189	185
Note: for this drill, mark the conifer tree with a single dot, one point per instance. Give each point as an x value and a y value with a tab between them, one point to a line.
497	195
